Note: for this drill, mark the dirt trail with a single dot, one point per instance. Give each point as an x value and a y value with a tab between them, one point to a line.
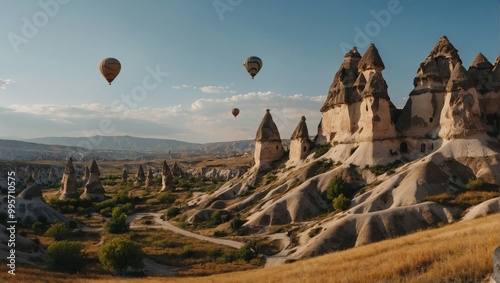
167	225
280	257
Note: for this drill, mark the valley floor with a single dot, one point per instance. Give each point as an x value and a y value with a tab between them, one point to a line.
460	252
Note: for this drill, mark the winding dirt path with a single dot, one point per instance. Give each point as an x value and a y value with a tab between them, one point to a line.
167	225
280	257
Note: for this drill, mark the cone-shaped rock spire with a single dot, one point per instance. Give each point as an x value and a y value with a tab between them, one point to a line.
460	116
267	131
149	178
94	189
166	178
268	145
342	90
300	144
371	60
68	183
140	177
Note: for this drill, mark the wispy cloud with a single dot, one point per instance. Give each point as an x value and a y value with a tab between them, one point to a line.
204	120
216	89
207	89
4	83
183	86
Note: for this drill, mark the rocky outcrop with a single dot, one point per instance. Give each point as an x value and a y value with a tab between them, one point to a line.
68	183
166	178
300	144
149	178
177	171
32	191
217	173
268	147
460	116
94	189
358	107
140	177
420	117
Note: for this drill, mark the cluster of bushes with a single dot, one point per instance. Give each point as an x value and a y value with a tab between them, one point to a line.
339	193
247	253
321	149
389	168
120	199
118	222
79	206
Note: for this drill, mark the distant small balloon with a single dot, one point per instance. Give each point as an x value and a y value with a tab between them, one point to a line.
110	68
252	64
235	112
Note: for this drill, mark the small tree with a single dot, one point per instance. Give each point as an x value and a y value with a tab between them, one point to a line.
38	227
59	231
336	187
121	253
341	203
66	256
118	222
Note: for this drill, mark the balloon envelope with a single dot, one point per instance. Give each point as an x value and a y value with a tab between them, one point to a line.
110	68
252	64
235	112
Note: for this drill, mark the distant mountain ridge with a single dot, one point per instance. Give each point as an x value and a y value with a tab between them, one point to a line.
115	143
114	148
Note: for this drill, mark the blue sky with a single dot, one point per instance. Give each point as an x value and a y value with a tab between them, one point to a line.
50	85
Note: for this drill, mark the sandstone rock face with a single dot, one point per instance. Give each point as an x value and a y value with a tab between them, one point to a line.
93	188
486	78
149	178
358	107
268	147
421	114
32	191
140	177
177	171
68	183
460	116
166	178
300	144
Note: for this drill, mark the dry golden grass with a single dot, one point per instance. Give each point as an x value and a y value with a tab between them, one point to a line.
460	252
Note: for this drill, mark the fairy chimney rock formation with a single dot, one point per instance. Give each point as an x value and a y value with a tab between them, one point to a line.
149	178
51	178
68	183
422	112
32	191
460	116
300	144
358	107
124	175
140	177
93	188
166	178
268	147
177	171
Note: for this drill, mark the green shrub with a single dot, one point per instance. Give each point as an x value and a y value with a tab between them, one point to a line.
475	184
336	187
315	231
66	256
118	222
121	253
172	212
236	223
166	197
249	251
58	231
220	233
320	150
341	203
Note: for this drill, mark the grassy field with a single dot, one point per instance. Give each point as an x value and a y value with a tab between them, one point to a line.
460	252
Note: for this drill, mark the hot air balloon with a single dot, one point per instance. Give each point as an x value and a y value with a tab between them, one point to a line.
252	64
235	112
110	68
